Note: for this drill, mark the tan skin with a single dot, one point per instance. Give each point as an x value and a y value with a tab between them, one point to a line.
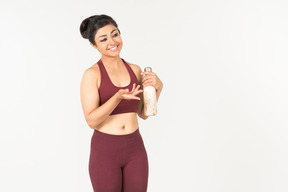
109	44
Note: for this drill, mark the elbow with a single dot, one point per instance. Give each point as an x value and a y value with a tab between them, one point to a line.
144	117
93	121
92	124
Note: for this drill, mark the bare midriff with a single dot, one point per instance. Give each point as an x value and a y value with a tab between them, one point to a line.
119	124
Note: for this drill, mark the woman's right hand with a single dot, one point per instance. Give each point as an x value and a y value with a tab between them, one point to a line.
126	94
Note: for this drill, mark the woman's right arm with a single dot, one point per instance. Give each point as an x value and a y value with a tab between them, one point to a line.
95	114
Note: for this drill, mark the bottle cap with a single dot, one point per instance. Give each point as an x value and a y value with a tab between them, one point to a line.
148	69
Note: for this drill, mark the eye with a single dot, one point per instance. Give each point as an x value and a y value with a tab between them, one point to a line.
115	35
103	40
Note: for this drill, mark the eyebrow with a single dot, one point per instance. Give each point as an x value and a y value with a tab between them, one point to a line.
106	35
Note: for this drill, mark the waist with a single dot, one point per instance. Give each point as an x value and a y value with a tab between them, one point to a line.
132	135
120	124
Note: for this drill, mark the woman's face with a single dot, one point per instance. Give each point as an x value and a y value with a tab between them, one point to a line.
108	41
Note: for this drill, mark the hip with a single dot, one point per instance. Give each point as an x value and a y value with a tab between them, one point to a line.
105	143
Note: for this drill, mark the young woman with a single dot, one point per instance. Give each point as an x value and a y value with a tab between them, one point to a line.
111	98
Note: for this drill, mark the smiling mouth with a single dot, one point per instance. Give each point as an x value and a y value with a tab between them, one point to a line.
114	48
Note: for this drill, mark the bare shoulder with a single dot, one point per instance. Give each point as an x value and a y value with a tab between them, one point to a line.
94	69
92	74
136	69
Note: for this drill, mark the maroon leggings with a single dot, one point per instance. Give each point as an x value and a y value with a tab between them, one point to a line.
118	163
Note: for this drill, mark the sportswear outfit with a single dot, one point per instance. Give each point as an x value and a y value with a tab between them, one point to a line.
118	163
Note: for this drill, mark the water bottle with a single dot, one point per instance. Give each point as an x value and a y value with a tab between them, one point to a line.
150	101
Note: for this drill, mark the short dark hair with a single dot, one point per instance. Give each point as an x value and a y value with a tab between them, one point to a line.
90	26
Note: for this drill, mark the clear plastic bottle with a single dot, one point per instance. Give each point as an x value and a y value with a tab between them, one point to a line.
150	101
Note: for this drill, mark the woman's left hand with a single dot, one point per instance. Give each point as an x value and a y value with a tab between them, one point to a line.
150	78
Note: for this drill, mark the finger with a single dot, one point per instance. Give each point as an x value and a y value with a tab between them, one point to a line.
137	88
137	98
131	97
148	78
133	88
147	83
145	79
150	81
137	92
147	73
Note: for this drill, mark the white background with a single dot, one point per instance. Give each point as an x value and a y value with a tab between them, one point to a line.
222	115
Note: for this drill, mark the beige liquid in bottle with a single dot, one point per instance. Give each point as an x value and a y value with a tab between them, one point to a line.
150	101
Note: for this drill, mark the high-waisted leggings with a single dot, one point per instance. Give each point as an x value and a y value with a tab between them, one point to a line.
118	163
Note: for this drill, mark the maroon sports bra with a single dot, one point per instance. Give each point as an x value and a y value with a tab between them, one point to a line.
107	89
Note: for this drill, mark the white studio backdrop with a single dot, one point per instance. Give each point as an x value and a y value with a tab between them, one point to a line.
222	115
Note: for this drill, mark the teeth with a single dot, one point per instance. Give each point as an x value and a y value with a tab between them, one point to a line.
113	48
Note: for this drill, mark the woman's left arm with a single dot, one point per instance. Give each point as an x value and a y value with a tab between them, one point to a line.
145	79
150	78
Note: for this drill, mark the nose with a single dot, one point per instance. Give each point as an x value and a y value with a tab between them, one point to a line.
111	41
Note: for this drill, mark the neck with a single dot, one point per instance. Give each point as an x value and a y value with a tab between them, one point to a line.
111	61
